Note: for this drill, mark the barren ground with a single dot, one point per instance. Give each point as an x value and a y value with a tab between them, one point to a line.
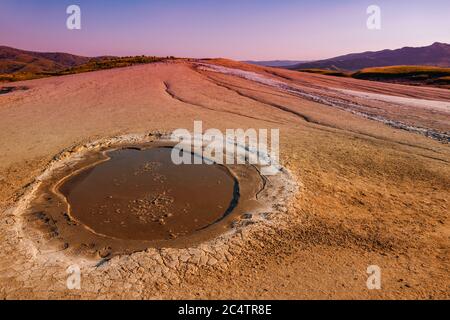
370	192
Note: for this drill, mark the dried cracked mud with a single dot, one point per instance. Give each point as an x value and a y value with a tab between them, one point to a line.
365	181
116	199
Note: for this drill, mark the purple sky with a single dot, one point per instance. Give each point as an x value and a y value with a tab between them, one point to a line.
244	29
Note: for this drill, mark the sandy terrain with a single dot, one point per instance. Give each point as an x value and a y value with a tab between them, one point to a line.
372	175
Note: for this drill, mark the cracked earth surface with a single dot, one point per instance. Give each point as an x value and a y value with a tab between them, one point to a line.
367	193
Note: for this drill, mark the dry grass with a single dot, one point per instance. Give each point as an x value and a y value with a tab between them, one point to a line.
413	75
417	75
405	70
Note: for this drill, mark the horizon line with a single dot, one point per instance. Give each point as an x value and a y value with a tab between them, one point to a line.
220	57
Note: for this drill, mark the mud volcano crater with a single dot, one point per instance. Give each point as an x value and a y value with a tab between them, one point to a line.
117	200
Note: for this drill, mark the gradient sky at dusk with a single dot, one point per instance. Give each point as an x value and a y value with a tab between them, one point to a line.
237	29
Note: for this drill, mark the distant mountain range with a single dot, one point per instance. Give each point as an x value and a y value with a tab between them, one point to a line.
15	61
276	63
437	54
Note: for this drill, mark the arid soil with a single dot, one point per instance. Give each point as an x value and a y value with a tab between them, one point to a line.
367	183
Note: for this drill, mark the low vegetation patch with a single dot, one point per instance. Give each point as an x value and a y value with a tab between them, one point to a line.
412	75
327	72
416	75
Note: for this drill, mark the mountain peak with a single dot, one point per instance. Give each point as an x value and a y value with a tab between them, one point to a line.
440	44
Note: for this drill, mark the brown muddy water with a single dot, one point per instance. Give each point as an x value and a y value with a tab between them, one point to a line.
142	195
118	200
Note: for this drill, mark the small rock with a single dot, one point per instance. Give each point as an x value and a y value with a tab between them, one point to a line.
212	261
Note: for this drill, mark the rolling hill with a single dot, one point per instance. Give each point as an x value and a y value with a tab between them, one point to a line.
412	75
19	65
20	61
